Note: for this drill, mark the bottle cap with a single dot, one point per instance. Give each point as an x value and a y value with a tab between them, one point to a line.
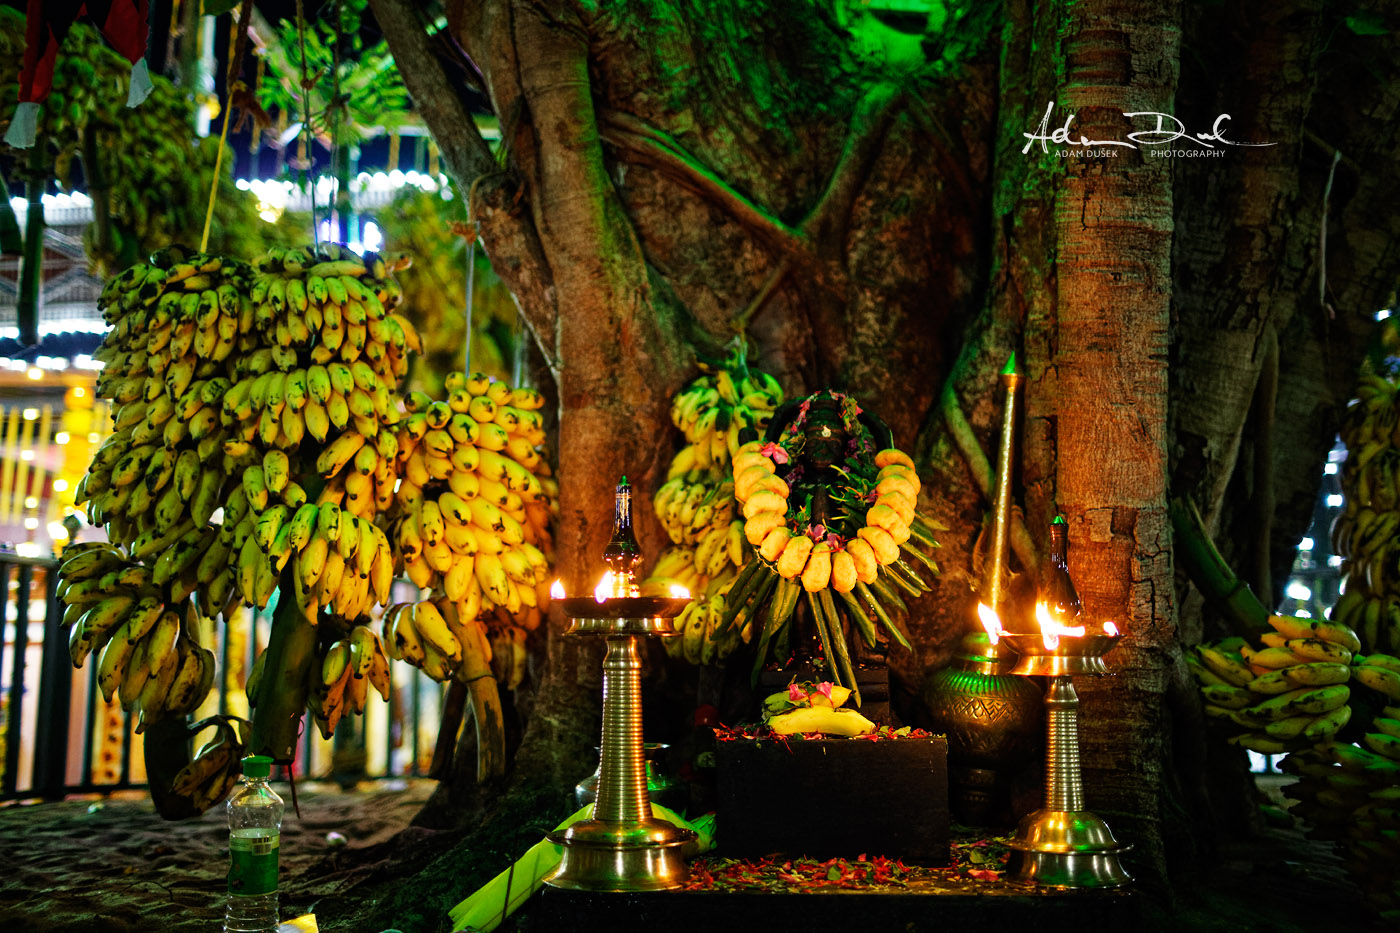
257	766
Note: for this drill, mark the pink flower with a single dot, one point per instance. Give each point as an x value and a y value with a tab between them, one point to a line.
983	874
774	452
796	694
837	542
824	688
816	531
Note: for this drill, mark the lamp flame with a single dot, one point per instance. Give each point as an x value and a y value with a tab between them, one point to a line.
1051	630
556	591
1110	629
990	621
679	592
606	588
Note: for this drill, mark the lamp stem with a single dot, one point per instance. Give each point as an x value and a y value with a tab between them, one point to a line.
622	782
1064	788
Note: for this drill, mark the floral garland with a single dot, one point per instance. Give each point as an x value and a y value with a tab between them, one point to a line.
878	497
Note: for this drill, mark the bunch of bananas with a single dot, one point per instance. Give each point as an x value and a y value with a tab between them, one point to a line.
156	174
147	655
349	666
337	353
696	504
715	408
254	445
213	770
158	479
1289	695
1351	795
85	67
1367	532
434	636
471	521
472	512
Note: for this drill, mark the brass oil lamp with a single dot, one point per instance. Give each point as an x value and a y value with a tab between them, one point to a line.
990	716
621	847
1062	843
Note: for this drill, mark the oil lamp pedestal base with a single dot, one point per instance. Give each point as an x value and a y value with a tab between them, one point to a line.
1066	848
600	855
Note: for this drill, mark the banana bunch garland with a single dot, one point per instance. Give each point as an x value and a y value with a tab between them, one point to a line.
1367	532
471	519
147	656
1289	695
696	504
859	552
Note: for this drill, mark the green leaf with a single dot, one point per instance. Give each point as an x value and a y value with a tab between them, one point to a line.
216	7
1367	23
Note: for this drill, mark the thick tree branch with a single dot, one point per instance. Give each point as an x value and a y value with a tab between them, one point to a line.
826	224
466	153
509	236
634	138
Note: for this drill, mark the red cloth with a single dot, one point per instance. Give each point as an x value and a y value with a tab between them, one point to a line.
121	22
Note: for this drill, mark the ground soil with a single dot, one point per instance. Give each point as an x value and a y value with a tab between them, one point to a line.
113	865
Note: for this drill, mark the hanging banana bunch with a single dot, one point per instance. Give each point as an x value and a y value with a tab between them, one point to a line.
827	513
471	522
696	504
1300	696
253	447
316	406
155	484
1289	695
1367	532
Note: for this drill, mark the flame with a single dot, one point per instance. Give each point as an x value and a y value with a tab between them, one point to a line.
1050	630
1110	629
990	621
606	588
557	590
679	592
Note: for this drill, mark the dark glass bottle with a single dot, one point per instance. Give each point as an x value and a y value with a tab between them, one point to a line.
623	556
1059	587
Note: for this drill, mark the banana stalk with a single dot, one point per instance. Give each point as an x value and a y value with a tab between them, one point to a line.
490	728
1212	575
281	694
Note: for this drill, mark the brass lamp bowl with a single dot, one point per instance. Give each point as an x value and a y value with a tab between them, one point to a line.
622	615
1074	654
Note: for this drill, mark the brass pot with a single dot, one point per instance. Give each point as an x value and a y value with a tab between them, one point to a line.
994	721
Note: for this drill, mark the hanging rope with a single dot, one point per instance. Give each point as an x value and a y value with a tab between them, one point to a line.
306	84
232	85
471	283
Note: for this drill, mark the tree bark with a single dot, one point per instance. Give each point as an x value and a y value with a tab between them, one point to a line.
1113	224
661	180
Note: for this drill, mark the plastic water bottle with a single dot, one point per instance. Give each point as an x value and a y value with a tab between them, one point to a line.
254	832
